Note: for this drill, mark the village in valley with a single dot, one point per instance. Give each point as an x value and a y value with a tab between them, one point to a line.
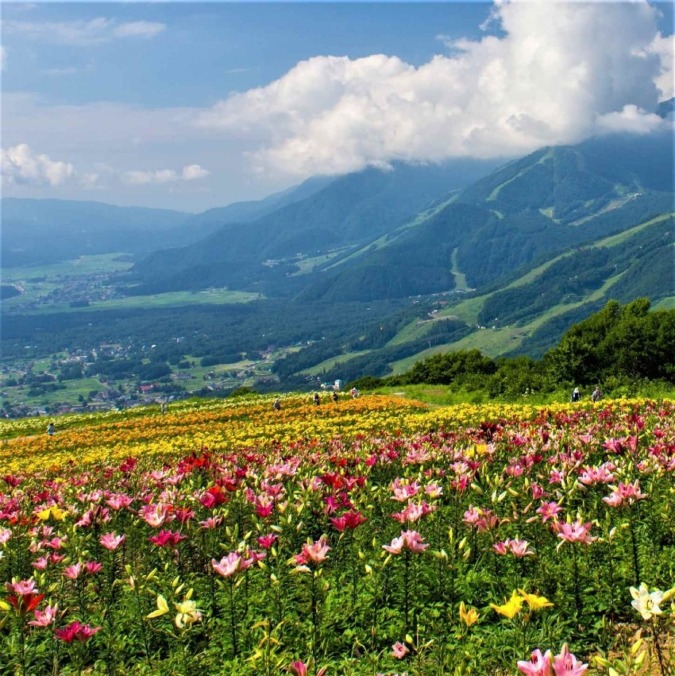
70	382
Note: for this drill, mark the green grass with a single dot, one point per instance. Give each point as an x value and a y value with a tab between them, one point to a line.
78	267
460	277
613	240
38	282
386	239
171	299
332	362
307	265
665	304
175	299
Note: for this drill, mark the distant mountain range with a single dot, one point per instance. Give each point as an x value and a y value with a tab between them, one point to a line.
67	229
525	248
380	235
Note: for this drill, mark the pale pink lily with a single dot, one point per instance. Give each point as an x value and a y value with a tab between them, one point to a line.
155	515
519	548
74	571
409	539
399	650
41	563
211	523
228	565
538	664
566	664
549	510
315	552
43	618
625	492
112	541
413	512
22	587
576	532
403	490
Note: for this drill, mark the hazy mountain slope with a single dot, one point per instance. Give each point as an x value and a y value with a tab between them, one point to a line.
243	212
522	213
38	231
348	212
69	229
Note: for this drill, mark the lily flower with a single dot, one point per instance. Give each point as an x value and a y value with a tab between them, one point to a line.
112	541
511	608
535	602
399	650
538	664
43	618
576	532
469	616
228	565
188	613
316	552
566	664
76	632
646	603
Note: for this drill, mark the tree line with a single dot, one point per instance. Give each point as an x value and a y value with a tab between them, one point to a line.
617	346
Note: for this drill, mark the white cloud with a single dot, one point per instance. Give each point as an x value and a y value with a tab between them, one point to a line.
188	173
663	47
193	172
138	29
82	33
556	73
20	166
631	119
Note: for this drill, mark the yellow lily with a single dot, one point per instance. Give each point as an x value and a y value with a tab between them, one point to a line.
162	608
535	602
469	616
511	608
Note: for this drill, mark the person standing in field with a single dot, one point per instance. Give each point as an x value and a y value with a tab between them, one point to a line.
277	404
50	429
576	395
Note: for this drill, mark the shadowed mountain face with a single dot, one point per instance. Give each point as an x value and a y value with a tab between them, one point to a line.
42	231
350	212
527	210
380	235
68	229
503	259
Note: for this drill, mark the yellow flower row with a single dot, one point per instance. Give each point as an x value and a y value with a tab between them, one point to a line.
233	425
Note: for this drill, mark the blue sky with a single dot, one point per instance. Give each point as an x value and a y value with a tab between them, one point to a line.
194	105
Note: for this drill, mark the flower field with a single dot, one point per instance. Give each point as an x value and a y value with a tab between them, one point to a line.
368	536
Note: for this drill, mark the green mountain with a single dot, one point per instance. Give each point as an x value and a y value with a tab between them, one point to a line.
36	231
70	228
545	203
511	262
268	253
367	273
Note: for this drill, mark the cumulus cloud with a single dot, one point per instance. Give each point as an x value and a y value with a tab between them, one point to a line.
82	33
188	173
665	81
555	72
630	119
20	166
193	172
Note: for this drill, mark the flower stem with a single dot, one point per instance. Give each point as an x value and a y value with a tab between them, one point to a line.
659	652
233	619
636	560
